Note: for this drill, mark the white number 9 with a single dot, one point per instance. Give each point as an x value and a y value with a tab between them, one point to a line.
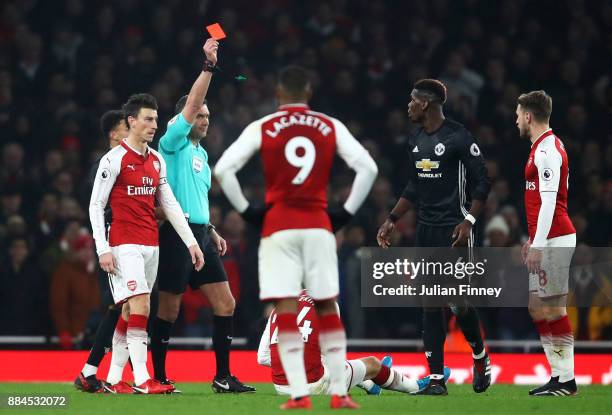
305	162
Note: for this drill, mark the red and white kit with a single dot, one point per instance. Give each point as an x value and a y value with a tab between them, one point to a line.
297	147
316	372
130	182
550	227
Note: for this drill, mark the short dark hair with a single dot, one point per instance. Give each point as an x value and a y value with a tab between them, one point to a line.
180	104
294	79
137	101
433	87
110	120
538	103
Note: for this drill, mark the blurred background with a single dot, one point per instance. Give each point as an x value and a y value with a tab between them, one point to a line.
64	63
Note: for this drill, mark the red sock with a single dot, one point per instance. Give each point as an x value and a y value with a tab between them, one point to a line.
543	327
121	326
286	322
136	321
383	375
561	327
330	322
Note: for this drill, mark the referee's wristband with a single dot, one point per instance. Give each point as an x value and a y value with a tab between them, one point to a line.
210	228
209	66
470	218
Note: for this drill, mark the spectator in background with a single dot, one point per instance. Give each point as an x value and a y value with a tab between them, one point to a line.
516	235
74	292
10	204
47	221
23	291
12	172
497	232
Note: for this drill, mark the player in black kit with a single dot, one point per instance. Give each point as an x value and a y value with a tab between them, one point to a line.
449	182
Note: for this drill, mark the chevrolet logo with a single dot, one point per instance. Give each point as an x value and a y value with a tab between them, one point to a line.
427	164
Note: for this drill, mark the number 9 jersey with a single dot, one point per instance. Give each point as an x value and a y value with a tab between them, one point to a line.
297	147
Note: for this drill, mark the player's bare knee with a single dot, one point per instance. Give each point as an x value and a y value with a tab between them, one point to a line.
537	312
326	307
555	313
372	365
287	305
140	305
224	306
125	311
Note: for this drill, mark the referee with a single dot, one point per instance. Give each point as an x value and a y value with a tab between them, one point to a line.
189	177
447	177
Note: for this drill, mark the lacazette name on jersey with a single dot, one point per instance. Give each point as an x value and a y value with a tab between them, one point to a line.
299	119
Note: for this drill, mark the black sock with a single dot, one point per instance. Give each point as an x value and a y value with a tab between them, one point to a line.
160	337
104	336
467	317
222	340
434	336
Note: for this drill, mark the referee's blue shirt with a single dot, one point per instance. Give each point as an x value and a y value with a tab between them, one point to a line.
189	174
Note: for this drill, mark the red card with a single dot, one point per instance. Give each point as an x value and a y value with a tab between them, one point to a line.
216	32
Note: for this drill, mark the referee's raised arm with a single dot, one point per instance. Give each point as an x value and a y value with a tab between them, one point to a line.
200	86
177	137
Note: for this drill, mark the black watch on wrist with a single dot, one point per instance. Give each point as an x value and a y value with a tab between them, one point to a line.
209	66
210	228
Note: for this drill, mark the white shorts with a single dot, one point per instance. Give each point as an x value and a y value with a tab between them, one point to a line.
294	259
354	372
135	272
553	278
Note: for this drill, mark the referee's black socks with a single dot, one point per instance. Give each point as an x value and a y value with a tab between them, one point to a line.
223	331
160	337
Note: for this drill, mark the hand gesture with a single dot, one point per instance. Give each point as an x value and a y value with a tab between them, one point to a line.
525	250
384	234
210	50
108	263
219	242
197	257
534	260
461	233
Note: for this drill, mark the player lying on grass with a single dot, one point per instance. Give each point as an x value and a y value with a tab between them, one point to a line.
368	373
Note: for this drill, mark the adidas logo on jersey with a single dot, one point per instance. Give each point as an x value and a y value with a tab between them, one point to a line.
415	149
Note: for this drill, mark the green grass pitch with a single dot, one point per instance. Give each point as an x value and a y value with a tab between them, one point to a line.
197	398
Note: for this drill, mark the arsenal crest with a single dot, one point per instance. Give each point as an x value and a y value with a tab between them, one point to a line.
131	284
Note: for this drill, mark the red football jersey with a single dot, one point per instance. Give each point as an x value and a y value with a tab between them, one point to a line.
297	147
308	325
297	151
128	181
547	169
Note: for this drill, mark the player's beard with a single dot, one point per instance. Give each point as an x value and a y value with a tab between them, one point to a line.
417	120
524	133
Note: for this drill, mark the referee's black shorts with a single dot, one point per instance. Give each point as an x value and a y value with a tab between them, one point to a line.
175	268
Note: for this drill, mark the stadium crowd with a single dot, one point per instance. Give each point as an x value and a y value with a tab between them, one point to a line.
64	63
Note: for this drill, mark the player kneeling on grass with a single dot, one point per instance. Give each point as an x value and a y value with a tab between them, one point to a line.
368	372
